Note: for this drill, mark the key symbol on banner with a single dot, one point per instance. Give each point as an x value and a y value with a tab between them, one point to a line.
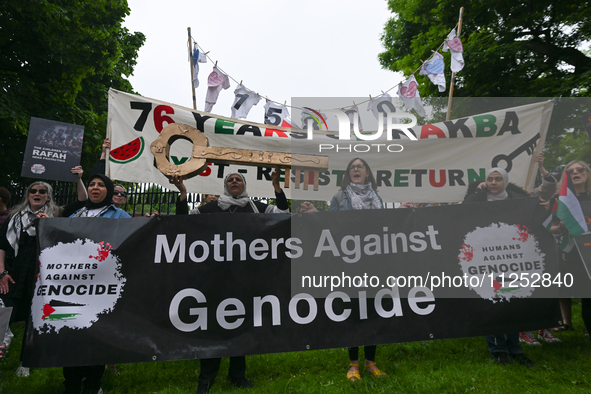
528	147
203	153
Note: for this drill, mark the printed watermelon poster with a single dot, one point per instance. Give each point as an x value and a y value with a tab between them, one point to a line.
53	149
128	152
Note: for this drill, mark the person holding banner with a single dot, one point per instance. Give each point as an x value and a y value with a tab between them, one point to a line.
99	204
234	200
358	191
503	348
18	244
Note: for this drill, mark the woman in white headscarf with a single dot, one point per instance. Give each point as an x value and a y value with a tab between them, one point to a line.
496	187
234	200
503	348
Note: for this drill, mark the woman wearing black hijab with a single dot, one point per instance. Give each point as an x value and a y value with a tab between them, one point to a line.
99	204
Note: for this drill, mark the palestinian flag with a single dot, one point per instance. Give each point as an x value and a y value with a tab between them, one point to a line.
569	209
61	310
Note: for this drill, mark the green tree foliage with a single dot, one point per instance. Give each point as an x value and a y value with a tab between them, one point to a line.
511	49
59	58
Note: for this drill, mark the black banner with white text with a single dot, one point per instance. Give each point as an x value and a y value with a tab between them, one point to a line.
201	286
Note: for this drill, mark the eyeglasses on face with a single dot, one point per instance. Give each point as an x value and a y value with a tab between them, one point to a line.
579	170
496	179
357	167
118	193
40	191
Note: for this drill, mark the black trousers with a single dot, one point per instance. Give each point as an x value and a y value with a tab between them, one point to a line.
370	353
211	366
73	377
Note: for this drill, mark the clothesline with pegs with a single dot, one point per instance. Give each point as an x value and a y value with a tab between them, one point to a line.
285	101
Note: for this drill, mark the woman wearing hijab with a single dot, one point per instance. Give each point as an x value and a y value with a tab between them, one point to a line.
234	200
18	245
100	200
503	348
99	204
495	188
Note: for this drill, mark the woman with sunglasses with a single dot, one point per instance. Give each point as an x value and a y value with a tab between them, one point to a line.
580	176
119	195
18	246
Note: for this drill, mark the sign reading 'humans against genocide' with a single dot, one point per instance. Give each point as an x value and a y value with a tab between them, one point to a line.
438	166
186	287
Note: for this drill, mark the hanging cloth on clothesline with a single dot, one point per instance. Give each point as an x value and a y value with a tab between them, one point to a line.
409	93
382	103
276	114
353	114
197	57
216	81
243	102
454	45
433	68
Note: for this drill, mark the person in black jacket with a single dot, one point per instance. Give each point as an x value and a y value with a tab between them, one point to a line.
496	187
504	347
234	200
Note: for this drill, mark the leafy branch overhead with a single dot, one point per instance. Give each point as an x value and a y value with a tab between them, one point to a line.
511	49
58	61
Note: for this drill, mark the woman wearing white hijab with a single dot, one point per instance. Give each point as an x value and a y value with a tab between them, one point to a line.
234	200
503	348
495	187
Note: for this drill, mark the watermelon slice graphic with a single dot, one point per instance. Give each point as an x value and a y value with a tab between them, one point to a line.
128	152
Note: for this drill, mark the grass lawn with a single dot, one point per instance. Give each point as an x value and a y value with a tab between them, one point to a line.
442	366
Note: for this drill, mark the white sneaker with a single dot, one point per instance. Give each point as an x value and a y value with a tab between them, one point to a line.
22	372
547	336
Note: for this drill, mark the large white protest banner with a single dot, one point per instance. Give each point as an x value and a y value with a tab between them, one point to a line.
437	167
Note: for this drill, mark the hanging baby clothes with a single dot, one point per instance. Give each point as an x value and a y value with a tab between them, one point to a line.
353	114
197	57
383	104
215	83
433	68
243	102
409	94
454	45
318	119
276	114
